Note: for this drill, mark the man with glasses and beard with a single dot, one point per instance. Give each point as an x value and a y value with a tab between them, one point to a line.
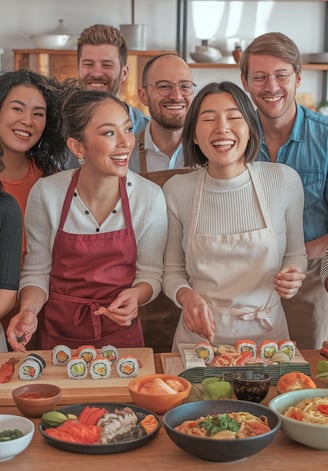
271	71
167	89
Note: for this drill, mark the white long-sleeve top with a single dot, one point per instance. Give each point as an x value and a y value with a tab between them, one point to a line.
44	207
231	207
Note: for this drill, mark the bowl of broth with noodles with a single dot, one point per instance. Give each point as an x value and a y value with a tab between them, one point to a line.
221	430
304	416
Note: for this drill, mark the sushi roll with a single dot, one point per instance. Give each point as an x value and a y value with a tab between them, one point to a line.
246	346
100	368
267	349
87	352
32	367
110	352
127	367
287	347
61	354
204	351
77	368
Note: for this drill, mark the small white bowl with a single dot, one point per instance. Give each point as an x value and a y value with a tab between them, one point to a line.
312	435
11	448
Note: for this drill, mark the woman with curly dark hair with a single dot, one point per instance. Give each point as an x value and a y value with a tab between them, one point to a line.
32	146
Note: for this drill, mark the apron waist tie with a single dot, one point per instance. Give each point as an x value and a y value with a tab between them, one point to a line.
263	316
86	311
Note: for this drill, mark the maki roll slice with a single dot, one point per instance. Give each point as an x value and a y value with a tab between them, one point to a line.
204	351
61	354
100	368
110	352
32	367
77	368
127	367
87	352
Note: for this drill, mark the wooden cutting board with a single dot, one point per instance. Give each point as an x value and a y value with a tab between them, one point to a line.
113	389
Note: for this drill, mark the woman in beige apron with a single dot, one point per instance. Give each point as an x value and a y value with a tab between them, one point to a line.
236	279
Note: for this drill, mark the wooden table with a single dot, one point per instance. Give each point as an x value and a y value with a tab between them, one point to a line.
162	454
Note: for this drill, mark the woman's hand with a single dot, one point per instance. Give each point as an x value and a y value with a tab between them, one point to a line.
288	281
196	313
123	309
21	328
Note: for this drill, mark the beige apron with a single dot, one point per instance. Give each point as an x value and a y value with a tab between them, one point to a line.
234	274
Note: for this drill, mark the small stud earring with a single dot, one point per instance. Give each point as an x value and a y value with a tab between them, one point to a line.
81	161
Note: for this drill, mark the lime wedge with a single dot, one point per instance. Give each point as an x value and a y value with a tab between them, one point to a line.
322	366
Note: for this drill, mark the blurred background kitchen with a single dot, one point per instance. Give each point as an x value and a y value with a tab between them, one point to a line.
171	25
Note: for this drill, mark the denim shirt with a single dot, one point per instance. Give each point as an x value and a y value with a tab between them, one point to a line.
306	150
139	120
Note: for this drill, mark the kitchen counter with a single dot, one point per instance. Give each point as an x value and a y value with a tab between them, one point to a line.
162	454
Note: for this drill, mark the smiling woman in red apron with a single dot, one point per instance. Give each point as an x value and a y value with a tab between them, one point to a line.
94	252
235	243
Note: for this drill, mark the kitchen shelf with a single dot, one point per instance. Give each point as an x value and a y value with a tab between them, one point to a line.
182	20
218	65
62	63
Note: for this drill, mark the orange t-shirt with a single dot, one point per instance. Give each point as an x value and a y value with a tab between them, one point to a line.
20	190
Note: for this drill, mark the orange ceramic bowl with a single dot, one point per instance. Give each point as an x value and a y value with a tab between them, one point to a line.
158	402
34	399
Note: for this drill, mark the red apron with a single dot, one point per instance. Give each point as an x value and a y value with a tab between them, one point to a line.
88	271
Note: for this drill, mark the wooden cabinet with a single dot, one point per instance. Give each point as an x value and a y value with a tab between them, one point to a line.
59	63
63	64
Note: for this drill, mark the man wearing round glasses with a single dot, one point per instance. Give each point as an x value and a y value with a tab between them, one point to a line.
167	89
271	71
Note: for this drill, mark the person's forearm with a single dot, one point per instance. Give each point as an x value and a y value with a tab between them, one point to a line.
144	292
317	248
180	294
7	300
32	298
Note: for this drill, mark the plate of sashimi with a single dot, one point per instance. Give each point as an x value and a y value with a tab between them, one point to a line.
99	427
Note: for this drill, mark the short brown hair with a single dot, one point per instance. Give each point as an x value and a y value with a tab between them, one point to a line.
103	34
193	156
272	44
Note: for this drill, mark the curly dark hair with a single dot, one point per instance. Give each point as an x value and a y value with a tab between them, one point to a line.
49	153
193	156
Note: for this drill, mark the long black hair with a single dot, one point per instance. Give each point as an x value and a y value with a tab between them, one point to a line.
49	152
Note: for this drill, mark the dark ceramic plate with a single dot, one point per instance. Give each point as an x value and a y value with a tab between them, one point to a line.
223	449
101	449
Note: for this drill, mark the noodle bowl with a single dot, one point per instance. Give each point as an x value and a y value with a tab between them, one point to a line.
314	411
225	447
303	416
226	426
